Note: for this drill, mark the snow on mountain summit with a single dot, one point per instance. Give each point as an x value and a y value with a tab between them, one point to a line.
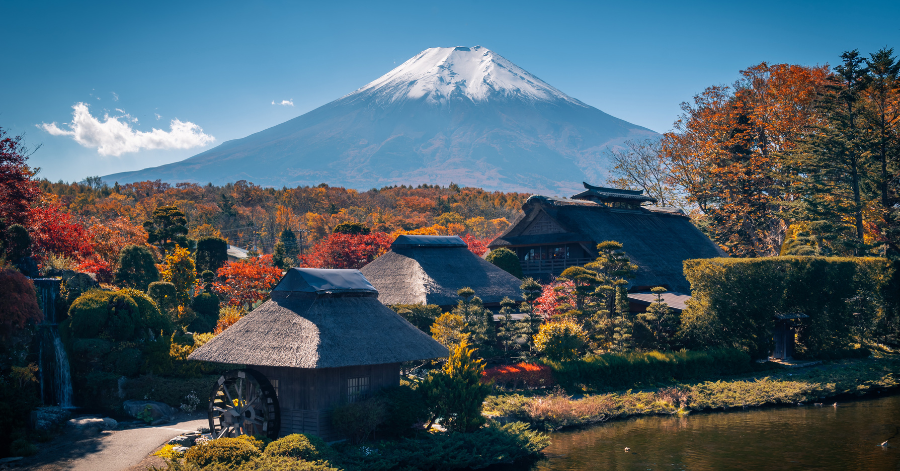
443	73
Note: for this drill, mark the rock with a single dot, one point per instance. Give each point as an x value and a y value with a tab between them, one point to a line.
182	440
157	410
180	449
92	424
48	418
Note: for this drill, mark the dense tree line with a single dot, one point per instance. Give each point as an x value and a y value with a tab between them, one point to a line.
789	159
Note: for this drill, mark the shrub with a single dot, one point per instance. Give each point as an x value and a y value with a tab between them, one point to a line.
352	228
420	315
299	446
404	407
77	285
734	301
150	316
18	303
456	393
614	370
507	260
164	295
137	269
89	313
228	317
357	420
228	451
91	349
206	306
171	391
526	374
487	446
212	253
560	340
123	319
22	447
128	362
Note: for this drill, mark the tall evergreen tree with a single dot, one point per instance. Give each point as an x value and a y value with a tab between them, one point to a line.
167	228
212	253
137	269
834	162
883	93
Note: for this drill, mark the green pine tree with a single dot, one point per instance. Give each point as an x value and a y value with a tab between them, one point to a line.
137	269
167	228
455	394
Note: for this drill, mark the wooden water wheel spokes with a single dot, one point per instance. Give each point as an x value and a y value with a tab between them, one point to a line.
243	402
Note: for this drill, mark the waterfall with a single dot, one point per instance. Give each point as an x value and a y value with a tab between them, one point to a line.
63	375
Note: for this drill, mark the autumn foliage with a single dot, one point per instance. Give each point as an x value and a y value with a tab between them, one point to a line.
18	302
347	250
246	282
527	375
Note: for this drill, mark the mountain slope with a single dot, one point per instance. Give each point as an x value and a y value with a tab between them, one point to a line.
465	115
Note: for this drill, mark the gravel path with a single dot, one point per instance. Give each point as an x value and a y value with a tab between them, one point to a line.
109	451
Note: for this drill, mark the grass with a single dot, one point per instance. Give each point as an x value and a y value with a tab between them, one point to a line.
557	410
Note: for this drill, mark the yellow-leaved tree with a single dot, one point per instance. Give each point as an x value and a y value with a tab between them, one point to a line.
180	271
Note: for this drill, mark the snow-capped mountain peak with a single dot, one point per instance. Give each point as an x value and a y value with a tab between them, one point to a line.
442	73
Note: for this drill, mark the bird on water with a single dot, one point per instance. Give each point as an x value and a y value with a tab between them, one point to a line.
629	449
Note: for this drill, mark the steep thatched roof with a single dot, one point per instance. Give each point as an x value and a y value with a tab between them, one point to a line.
431	269
658	241
321	319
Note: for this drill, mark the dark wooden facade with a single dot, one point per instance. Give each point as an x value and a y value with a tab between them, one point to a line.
307	395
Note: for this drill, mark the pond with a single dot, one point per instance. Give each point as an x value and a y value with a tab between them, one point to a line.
804	437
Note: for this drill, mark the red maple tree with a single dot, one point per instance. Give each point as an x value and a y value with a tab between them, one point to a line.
18	302
18	189
347	250
476	245
245	282
54	231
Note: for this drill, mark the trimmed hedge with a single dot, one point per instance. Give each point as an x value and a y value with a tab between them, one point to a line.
151	317
507	260
621	370
227	451
734	301
299	446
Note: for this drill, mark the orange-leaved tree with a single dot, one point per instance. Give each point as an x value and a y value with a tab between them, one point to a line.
243	283
727	153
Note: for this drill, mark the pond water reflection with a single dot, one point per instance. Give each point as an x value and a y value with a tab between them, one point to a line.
803	437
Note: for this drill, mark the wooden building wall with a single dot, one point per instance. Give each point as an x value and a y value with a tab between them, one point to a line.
306	396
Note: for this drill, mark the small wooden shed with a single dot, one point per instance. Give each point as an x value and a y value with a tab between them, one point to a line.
784	333
323	340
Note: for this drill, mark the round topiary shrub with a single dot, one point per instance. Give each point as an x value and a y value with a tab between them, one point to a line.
89	313
227	451
405	407
150	316
299	446
91	349
128	362
507	260
124	317
164	295
206	306
77	285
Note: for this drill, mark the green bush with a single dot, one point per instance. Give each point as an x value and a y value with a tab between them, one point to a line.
157	360
150	316
420	315
89	313
137	269
77	285
615	370
487	446
228	451
734	301
124	318
507	260
164	295
404	408
22	447
299	446
212	253
206	306
358	420
128	362
97	390
353	228
91	349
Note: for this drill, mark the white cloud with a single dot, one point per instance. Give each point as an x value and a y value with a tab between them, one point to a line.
284	102
115	96
115	136
157	116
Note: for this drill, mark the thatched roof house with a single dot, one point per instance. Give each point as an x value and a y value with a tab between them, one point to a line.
323	339
431	269
556	233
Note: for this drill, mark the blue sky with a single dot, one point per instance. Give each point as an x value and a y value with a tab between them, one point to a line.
220	65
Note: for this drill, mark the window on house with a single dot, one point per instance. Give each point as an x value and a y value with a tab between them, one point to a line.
357	388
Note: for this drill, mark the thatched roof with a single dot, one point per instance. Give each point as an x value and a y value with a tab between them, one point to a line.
321	319
658	241
431	269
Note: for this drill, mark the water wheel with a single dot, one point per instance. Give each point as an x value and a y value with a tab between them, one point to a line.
243	402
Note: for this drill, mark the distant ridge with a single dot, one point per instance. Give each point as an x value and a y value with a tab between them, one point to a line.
461	114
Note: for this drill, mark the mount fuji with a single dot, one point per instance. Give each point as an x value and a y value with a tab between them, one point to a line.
459	114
